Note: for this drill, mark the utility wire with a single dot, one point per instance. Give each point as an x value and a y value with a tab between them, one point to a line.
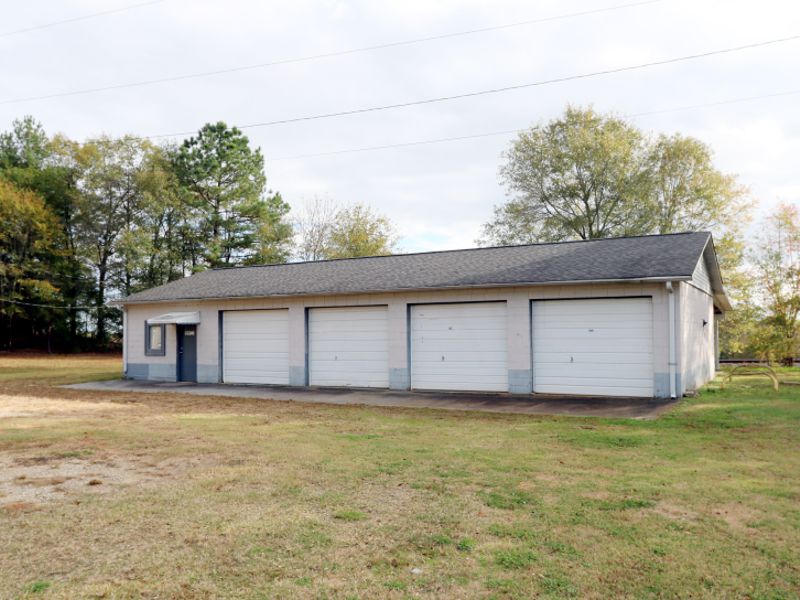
717	103
499	90
512	131
332	54
75	19
398	145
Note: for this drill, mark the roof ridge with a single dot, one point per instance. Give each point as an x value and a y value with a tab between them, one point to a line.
563	242
604	259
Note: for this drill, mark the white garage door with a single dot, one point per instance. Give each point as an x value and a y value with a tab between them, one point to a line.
459	346
593	347
349	346
255	346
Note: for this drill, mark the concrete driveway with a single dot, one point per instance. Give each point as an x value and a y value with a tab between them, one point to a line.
583	406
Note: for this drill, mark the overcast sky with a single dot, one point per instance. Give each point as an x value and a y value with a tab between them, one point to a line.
438	194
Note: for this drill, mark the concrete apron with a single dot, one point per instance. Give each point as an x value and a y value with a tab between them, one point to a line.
535	404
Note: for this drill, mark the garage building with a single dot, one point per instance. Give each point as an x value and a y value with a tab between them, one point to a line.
633	316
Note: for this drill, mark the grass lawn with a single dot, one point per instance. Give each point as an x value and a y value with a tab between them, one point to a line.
175	496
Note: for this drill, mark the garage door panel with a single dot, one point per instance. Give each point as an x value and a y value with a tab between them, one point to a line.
331	364
557	329
365	379
255	346
239	362
345	327
597	371
262	373
334	380
570	329
588	345
264	376
483	383
267	322
602	382
593	346
459	346
475	325
460	310
368	358
478	333
337	379
461	375
250	341
346	314
600	358
439	345
341	346
334	370
349	346
610	306
643	391
454	360
458	381
595	341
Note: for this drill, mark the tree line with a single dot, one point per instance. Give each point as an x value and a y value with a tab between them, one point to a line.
83	222
587	175
86	221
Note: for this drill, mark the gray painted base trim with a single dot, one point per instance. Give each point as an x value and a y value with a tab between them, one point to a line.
519	381
297	376
167	372
661	385
207	374
135	371
151	371
399	379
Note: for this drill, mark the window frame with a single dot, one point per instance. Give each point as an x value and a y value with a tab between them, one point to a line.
148	351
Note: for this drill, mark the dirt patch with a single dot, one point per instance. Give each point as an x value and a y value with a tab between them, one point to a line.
19	507
30	480
673	511
737	516
597	495
550	477
37	406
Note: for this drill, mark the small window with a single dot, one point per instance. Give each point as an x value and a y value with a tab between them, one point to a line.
154	340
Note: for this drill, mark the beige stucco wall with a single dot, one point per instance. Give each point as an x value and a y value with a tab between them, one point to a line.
519	328
698	352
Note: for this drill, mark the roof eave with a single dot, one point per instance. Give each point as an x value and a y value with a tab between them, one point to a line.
715	274
125	302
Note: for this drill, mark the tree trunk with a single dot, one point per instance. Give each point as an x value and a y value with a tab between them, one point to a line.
100	334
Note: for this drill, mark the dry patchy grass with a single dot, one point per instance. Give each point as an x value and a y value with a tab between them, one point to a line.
120	495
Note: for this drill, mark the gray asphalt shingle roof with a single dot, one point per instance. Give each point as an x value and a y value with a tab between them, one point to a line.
632	258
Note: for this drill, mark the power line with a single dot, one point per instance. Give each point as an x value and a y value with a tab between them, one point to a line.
499	90
81	18
332	54
398	145
512	131
717	103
